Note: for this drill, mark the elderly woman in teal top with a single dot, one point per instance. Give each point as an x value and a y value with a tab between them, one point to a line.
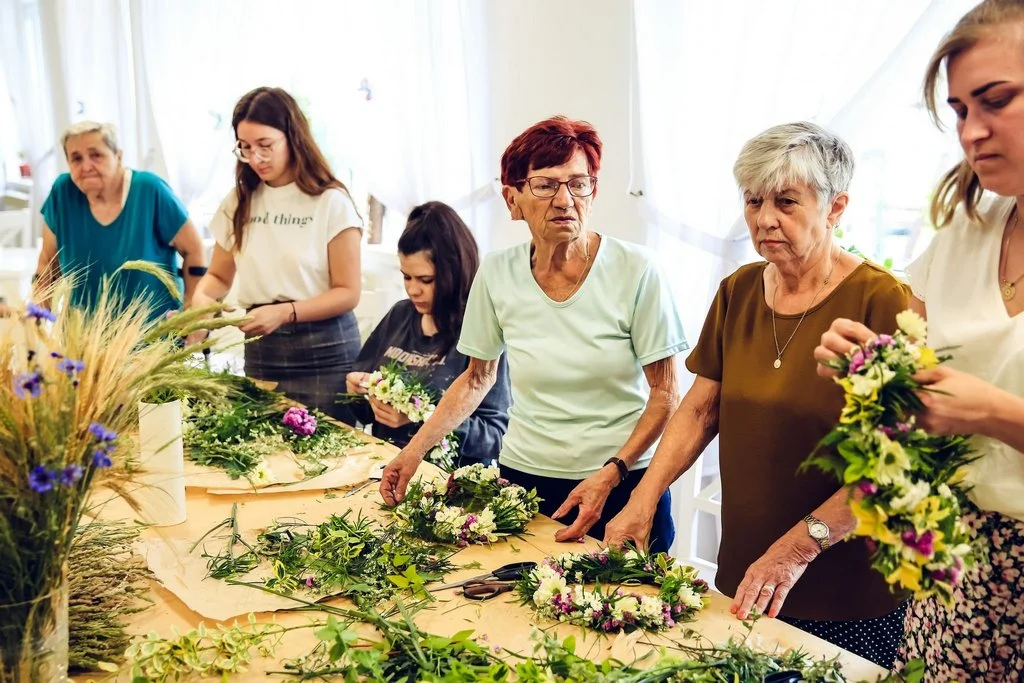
102	214
591	332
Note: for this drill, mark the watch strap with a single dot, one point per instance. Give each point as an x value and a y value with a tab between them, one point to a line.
620	465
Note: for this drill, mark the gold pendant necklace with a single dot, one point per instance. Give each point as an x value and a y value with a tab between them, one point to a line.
775	295
1007	287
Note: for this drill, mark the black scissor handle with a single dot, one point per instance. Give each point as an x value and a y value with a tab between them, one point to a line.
513	571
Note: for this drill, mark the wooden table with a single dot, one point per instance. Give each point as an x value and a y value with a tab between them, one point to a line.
502	621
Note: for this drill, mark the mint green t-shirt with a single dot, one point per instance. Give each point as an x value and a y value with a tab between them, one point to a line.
576	367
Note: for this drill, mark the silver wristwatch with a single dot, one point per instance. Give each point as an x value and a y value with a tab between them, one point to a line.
818	530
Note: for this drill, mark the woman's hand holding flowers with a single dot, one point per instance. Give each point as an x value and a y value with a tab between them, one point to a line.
387	415
840	338
632	525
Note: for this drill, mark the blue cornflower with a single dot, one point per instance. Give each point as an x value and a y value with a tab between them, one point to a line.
102	433
101	458
70	475
40	313
70	367
41	479
28	384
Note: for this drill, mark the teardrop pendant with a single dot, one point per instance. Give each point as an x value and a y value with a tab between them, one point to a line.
777	364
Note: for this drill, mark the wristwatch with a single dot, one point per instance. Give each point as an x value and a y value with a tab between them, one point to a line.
818	530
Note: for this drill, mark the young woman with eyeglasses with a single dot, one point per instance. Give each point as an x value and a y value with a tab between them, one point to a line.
288	238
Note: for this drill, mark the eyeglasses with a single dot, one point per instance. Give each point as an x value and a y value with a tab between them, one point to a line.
545	188
261	152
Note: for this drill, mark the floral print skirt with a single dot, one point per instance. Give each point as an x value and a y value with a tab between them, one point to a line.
981	637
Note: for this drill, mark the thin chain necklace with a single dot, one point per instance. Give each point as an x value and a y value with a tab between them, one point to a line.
775	295
586	262
1007	287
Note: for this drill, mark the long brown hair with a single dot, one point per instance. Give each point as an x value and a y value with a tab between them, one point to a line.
961	184
274	107
437	229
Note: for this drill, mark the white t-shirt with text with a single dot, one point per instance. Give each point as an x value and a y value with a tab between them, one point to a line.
284	246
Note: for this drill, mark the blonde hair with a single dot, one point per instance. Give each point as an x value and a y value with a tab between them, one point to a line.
107	130
961	184
795	152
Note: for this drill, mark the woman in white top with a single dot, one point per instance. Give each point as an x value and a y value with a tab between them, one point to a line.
970	282
290	233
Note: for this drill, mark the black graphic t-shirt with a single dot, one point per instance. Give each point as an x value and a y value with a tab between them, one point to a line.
399	338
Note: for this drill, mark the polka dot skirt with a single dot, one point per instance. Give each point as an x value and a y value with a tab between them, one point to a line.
873	639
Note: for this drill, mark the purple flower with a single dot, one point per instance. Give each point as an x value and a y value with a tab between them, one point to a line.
857	361
101	458
40	313
417	402
299	421
70	475
903	427
102	433
28	384
868	488
41	479
923	544
310	582
70	367
881	340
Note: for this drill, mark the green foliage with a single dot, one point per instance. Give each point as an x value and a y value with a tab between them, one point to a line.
237	434
355	558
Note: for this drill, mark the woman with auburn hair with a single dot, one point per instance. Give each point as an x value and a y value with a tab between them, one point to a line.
970	284
438	258
591	332
290	234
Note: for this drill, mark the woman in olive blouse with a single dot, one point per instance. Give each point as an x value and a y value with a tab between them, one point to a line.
757	390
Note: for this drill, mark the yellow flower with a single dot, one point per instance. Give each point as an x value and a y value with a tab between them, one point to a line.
907	575
893	461
871	521
928	359
928	513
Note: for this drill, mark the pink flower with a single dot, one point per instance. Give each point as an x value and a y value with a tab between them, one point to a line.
868	488
857	361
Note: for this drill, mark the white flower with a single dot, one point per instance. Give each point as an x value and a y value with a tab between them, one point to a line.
548	589
910	497
689	597
944	490
627	605
262	474
913	325
892	461
867	384
651	607
632	556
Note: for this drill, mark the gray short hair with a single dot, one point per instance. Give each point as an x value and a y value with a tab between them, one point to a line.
795	152
107	130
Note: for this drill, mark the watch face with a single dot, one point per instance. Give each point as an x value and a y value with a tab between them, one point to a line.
818	530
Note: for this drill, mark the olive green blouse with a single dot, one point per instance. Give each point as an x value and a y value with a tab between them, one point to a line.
769	422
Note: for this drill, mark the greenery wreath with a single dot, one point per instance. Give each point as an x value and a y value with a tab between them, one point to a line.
475	505
556	589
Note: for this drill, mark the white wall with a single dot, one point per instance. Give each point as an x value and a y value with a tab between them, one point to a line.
571	57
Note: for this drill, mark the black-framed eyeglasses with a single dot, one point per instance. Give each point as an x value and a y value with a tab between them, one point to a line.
546	188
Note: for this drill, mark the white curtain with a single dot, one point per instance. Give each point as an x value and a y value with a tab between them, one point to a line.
382	83
31	63
711	75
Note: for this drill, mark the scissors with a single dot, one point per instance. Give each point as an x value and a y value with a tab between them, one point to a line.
475	589
508	572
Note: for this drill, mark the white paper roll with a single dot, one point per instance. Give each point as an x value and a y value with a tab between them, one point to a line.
161	495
